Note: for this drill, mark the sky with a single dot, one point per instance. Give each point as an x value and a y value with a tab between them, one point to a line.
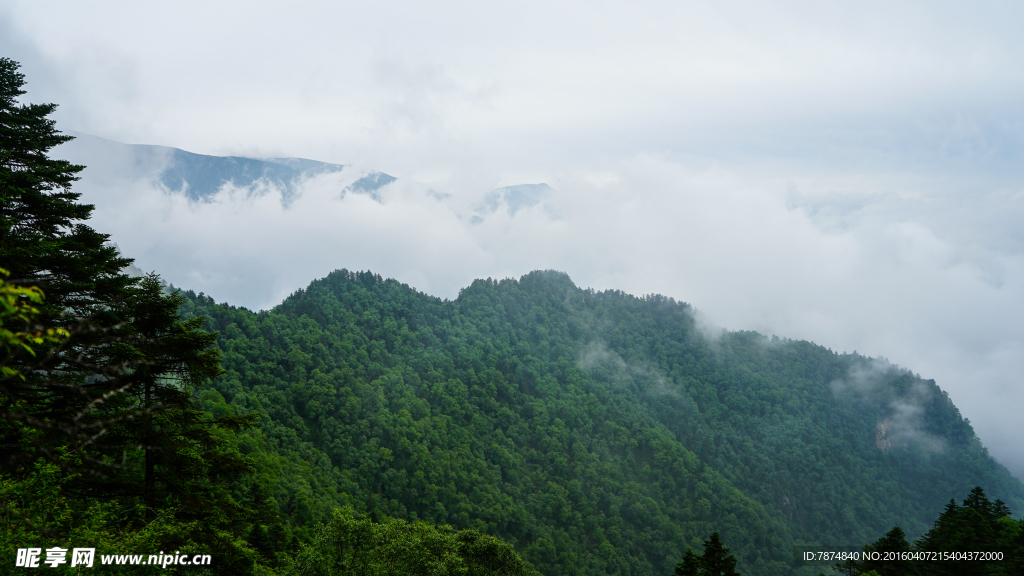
847	174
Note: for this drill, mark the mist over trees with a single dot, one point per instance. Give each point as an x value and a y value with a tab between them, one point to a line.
527	426
598	431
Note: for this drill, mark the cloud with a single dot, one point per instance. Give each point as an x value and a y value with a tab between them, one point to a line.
607	365
863	378
903	426
411	88
735	247
848	174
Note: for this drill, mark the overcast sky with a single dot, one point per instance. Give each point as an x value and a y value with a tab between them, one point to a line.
850	175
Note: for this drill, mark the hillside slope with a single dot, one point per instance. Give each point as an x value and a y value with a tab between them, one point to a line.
600	432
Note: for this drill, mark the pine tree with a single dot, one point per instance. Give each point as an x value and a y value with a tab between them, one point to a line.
980	503
975	526
979	525
44	243
690	565
715	561
43	238
111	404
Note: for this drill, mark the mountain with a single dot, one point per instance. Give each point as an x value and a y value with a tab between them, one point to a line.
515	198
201	176
599	432
111	164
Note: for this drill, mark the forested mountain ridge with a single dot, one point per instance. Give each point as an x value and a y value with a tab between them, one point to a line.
598	431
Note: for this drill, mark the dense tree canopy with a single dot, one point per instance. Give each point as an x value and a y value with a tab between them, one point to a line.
103	441
351	545
600	432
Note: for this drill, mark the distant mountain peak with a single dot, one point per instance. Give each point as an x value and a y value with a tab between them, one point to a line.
370	184
200	176
515	198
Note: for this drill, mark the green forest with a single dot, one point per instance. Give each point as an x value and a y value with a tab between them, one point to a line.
598	432
362	427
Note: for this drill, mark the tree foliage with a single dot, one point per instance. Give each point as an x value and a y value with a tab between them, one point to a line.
351	545
978	525
20	334
714	561
600	432
44	243
98	375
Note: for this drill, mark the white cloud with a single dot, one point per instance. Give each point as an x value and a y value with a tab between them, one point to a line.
847	174
733	246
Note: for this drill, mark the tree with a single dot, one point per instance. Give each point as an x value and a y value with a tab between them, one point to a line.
690	566
893	545
99	376
979	525
127	361
43	240
715	561
44	243
976	526
19	307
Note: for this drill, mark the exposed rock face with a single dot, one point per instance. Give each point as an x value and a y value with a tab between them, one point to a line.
881	441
